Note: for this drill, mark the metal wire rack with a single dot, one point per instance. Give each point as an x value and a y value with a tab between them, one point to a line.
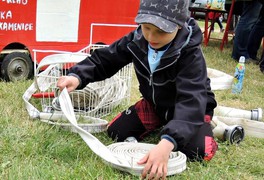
90	104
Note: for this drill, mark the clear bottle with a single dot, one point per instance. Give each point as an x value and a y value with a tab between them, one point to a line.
239	76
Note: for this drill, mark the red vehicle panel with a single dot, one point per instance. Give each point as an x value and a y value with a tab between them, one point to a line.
56	25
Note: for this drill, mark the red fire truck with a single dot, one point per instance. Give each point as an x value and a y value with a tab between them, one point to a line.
27	25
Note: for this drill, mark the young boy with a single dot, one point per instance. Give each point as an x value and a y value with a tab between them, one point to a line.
171	70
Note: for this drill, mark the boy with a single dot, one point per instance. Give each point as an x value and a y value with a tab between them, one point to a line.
171	70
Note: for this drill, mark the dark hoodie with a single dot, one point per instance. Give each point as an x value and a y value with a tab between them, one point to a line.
179	88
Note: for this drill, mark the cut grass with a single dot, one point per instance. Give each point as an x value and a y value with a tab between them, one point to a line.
30	149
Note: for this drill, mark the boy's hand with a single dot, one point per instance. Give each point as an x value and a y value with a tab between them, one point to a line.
156	161
70	82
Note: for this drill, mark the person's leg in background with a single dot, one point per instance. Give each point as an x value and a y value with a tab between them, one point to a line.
218	21
215	17
256	35
247	20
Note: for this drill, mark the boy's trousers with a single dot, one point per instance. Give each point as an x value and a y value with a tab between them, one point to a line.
140	120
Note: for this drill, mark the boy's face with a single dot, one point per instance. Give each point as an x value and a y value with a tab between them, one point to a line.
156	37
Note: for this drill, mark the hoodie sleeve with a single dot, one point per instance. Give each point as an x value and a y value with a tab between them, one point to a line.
103	62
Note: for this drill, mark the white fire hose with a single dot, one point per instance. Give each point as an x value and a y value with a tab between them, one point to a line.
90	124
254	114
123	156
231	124
90	103
233	134
251	128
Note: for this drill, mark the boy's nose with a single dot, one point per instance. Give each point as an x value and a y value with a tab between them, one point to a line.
151	37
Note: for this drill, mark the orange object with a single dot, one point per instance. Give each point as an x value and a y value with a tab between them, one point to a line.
44	95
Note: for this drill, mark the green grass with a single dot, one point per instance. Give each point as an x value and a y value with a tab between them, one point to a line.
30	149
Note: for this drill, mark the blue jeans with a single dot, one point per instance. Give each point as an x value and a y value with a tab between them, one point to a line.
256	35
248	19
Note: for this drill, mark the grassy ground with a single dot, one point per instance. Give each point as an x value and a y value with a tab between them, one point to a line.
30	149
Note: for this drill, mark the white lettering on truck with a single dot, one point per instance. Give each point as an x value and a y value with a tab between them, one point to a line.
8	15
23	2
4	26
5	14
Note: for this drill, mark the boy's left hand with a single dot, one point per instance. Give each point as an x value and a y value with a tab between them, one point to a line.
156	161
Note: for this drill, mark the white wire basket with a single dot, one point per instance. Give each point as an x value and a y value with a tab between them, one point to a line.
90	104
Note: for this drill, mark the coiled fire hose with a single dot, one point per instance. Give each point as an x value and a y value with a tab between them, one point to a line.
123	156
90	104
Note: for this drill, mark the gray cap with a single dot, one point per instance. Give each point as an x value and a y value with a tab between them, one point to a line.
165	14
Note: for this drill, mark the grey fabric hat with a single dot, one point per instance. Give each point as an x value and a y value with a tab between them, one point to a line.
165	14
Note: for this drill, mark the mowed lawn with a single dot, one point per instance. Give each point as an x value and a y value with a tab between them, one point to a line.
33	150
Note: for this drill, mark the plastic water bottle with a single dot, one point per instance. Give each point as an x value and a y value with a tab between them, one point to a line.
239	76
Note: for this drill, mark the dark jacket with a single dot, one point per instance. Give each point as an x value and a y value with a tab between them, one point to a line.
179	88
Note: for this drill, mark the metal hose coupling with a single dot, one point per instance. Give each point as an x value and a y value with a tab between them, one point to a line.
234	134
256	114
55	102
131	139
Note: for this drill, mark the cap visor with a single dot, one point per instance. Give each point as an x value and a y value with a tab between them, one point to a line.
159	22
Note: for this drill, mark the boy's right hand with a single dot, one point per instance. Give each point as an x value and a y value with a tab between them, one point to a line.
70	82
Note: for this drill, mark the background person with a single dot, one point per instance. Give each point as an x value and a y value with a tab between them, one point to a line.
248	18
256	35
216	17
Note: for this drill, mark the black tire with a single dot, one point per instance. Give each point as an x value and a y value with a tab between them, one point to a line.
17	66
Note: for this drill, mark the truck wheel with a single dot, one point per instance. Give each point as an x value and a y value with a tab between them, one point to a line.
16	66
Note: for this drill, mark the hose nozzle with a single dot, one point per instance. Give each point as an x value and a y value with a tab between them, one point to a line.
256	114
56	104
234	134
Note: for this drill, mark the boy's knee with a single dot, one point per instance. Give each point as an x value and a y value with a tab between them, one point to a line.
203	145
210	148
204	151
126	124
